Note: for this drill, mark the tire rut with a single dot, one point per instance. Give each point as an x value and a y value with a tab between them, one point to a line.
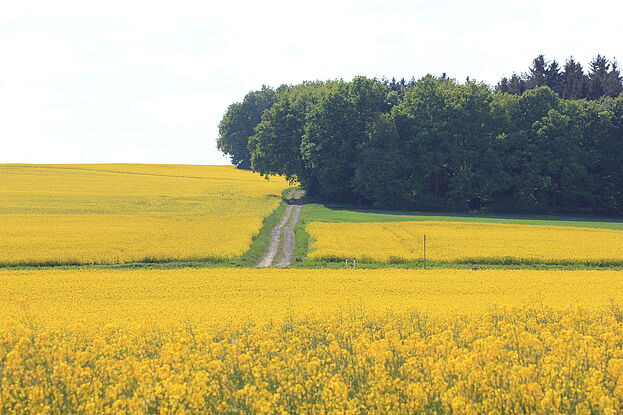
288	238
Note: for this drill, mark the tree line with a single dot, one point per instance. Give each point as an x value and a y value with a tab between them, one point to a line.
434	144
570	81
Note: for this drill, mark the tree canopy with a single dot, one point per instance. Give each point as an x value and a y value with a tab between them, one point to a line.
239	122
569	82
436	144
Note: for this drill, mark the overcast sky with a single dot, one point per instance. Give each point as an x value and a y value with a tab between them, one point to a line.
148	81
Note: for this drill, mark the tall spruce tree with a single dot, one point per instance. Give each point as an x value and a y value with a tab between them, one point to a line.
554	78
537	74
517	85
574	80
598	77
503	86
613	85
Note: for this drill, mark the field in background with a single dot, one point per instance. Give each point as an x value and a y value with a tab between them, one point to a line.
466	242
98	214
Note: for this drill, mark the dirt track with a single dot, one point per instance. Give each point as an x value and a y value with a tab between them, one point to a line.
282	236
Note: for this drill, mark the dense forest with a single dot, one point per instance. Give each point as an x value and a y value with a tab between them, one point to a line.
546	141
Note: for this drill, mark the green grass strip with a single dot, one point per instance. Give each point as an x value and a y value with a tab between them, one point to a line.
315	212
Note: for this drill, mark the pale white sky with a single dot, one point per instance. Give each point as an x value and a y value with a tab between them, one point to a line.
148	81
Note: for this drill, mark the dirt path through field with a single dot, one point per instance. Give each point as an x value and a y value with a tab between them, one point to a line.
282	235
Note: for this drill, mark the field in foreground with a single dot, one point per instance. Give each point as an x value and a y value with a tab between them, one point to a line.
540	362
268	341
101	214
466	242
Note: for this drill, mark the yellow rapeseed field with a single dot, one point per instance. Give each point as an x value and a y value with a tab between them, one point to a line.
225	295
85	214
190	341
465	242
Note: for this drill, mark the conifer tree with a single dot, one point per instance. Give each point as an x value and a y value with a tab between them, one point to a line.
554	78
613	85
503	86
517	85
537	75
574	80
393	85
598	77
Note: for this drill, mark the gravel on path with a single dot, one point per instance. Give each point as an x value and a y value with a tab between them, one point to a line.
284	229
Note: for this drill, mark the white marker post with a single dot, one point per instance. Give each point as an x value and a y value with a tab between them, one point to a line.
354	262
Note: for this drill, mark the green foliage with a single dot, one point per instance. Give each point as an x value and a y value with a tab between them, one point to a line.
602	80
435	144
335	130
276	145
316	212
575	82
446	128
238	125
381	160
537	73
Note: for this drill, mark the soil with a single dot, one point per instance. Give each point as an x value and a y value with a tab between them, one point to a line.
282	235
